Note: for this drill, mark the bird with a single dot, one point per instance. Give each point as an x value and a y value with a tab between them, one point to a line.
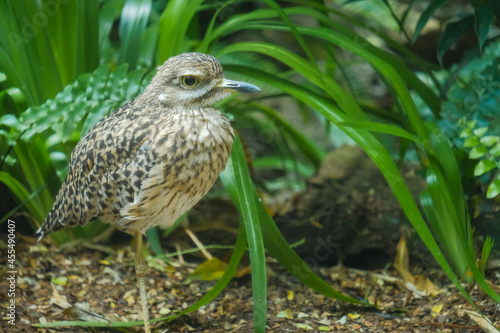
148	162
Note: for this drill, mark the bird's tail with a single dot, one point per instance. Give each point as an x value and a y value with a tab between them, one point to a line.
42	231
61	215
50	223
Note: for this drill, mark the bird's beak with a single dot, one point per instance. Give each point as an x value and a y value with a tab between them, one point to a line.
238	86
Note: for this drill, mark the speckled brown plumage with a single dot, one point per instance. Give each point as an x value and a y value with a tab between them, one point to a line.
148	162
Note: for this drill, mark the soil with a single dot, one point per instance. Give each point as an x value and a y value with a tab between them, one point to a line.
108	290
95	281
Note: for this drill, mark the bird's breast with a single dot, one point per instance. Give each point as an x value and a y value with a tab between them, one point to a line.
187	156
195	152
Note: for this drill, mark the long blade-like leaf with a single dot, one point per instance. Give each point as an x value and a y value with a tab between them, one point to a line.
237	180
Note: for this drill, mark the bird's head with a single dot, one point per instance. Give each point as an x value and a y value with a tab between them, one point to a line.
194	79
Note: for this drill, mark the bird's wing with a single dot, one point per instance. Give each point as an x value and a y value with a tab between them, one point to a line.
101	178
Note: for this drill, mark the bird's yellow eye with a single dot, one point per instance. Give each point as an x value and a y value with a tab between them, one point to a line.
190	81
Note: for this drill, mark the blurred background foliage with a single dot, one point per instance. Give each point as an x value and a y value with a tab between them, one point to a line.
405	80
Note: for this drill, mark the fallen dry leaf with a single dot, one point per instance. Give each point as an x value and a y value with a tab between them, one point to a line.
419	285
59	300
482	321
209	270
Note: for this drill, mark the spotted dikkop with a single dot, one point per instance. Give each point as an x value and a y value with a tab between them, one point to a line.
148	162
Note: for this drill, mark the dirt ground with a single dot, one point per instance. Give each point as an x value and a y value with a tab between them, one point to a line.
343	216
52	279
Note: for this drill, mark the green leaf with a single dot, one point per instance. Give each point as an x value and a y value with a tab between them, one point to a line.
148	46
493	189
335	34
310	149
377	127
447	212
88	37
422	21
174	24
274	241
133	21
480	131
471	142
345	101
236	180
489	140
495	151
483	18
135	78
290	165
20	104
10	140
466	133
154	241
484	166
289	58
21	193
436	202
478	152
12	121
480	280
97	82
293	29
60	280
116	82
379	155
71	120
93	94
485	253
452	33
96	113
109	13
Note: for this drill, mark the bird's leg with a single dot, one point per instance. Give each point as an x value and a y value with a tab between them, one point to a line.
140	271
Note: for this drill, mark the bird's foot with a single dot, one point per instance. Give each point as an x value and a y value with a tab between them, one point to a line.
140	271
144	302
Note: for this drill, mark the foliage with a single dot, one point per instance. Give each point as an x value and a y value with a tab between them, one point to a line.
47	46
472	95
481	20
42	121
471	114
487	246
474	91
91	96
487	149
455	28
57	124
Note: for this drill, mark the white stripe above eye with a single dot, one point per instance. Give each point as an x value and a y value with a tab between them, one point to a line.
191	93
